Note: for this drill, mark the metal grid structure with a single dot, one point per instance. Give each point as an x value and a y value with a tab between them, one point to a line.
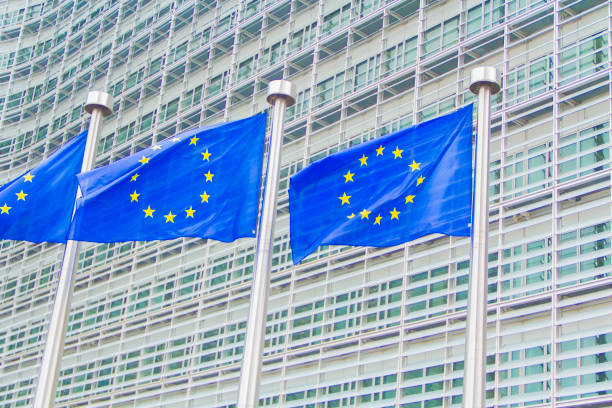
162	323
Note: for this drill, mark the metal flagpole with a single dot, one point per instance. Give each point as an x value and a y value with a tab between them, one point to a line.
281	94
484	83
98	104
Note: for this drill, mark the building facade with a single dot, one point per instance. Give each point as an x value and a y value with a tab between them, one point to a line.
161	324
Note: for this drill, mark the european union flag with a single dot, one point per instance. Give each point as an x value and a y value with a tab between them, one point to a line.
37	206
202	183
391	190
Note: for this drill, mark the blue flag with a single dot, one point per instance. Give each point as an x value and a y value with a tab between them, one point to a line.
391	190
202	183
37	206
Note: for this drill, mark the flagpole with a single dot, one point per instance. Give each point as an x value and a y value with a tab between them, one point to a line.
483	83
281	94
98	104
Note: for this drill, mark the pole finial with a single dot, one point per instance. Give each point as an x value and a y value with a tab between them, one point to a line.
484	76
101	100
281	89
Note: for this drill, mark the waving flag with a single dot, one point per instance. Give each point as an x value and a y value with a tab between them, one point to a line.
391	190
201	183
37	206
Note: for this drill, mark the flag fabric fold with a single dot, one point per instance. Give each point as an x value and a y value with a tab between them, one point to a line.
388	191
37	206
201	183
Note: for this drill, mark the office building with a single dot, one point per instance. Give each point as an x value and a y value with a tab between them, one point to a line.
161	324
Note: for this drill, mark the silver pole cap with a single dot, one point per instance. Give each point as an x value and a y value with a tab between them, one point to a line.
100	100
281	89
484	76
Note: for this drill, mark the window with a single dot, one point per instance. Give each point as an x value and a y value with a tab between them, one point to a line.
584	152
86	62
156	65
485	16
123	38
330	89
441	37
225	23
245	69
516	7
14	100
168	110
217	84
200	38
134	78
399	56
7	60
303	38
147	121
192	97
177	52
104	51
251	8
125	133
367	6
336	19
33	93
116	89
301	106
586	57
68	73
272	55
366	72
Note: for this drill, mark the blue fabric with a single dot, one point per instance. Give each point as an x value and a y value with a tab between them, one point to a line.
37	205
202	183
370	195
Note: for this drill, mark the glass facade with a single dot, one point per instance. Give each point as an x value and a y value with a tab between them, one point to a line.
162	323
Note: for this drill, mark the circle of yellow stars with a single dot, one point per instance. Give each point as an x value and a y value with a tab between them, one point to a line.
21	196
190	212
365	213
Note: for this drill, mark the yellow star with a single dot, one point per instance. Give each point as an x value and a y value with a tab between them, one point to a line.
28	177
176	139
377	220
364	160
420	180
5	209
351	216
365	213
193	140
414	166
149	212
205	197
206	155
409	199
156	147
397	152
21	195
134	196
379	151
190	212
209	176
170	217
345	199
394	214
134	177
144	160
348	176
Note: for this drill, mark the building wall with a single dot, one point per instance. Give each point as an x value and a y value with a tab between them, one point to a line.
162	323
